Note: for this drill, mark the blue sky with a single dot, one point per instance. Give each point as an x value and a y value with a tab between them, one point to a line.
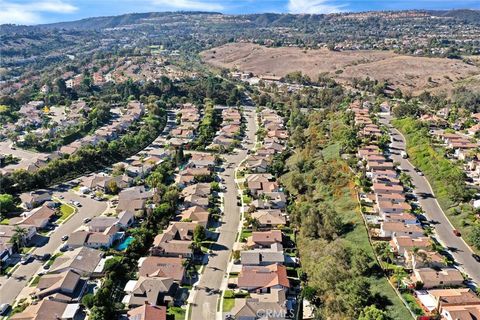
45	11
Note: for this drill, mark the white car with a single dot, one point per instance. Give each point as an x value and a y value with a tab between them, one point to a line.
4	307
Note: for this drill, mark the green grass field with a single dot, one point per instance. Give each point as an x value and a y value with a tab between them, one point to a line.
66	211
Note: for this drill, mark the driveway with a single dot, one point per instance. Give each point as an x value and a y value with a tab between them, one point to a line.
10	288
204	306
460	251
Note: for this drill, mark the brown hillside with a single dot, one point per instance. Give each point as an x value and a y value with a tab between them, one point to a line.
408	73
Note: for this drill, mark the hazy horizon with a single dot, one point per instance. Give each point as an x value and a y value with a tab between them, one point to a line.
28	12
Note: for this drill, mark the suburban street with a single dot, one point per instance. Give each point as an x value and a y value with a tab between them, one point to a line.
11	287
204	304
442	226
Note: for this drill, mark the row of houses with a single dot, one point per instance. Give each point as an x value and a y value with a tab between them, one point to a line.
134	111
188	117
82	258
58	293
162	273
230	130
390	218
273	143
262	261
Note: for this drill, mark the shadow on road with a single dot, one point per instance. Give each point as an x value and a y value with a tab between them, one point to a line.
39	240
425	195
218	247
454	249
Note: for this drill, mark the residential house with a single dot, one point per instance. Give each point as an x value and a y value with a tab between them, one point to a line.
263	257
154	290
269	218
133	199
48	310
163	267
175	241
6	234
401	244
263	278
388	229
201	160
196	214
147	312
406	218
452	304
39	217
197	189
66	287
36	198
85	261
189	175
264	239
431	278
272	306
386	207
416	259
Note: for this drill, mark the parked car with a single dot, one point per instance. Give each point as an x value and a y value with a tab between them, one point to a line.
4	309
476	257
65	238
26	259
63	249
46	256
418	171
457	233
87	220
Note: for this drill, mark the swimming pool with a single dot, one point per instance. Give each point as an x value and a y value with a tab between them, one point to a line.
124	244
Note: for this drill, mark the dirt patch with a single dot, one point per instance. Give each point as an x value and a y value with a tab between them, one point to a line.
410	74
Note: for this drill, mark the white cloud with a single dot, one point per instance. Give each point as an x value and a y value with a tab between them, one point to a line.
31	12
313	6
189	5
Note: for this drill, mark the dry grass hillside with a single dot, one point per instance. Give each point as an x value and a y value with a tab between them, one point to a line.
410	74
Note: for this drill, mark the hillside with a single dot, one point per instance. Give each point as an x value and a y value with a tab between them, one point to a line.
408	73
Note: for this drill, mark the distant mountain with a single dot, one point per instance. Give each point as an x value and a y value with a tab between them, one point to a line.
98	23
471	16
260	19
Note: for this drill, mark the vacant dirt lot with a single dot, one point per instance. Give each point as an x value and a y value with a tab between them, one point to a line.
410	74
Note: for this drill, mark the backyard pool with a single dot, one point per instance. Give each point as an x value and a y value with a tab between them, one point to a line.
124	244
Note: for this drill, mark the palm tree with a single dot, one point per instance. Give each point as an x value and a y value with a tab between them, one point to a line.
19	237
189	269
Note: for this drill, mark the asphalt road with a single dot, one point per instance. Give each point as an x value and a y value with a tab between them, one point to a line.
204	306
11	287
460	251
26	157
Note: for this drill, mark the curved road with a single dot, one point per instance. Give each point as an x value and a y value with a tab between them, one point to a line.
11	287
204	306
460	251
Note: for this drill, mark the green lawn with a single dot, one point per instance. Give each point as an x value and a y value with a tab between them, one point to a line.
413	304
35	281
66	211
177	312
246	199
228	304
245	234
5	221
